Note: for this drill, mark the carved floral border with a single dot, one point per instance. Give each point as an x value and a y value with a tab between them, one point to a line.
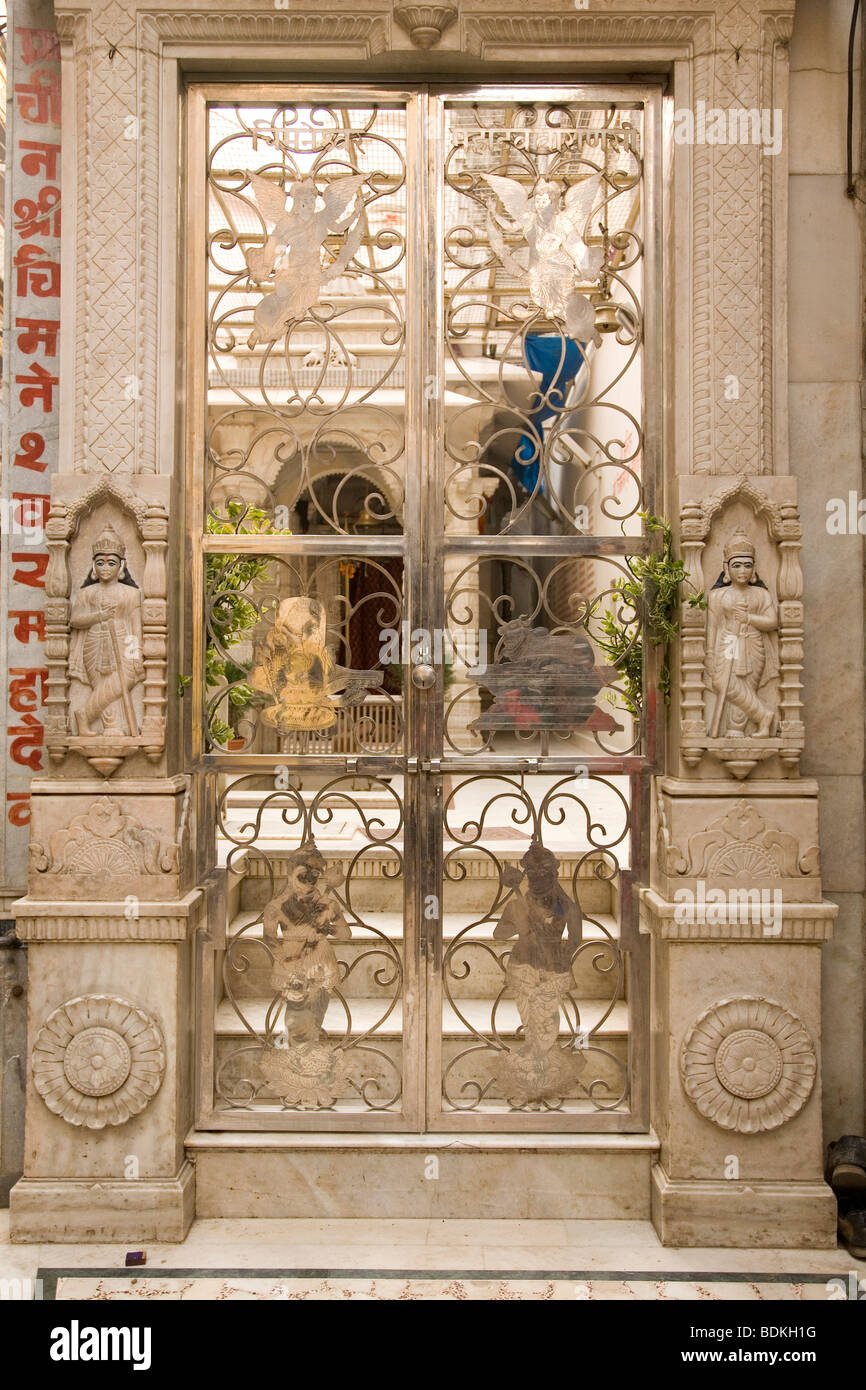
737	56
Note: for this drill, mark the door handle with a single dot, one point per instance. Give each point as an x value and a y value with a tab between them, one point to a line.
423	676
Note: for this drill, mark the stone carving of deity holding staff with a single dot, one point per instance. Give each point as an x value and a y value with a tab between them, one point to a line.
106	652
299	925
742	661
539	975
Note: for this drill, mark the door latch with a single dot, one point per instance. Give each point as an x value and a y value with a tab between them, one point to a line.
431	765
368	767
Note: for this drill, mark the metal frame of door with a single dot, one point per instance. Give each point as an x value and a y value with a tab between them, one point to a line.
423	546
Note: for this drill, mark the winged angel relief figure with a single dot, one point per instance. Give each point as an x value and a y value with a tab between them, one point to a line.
556	254
292	254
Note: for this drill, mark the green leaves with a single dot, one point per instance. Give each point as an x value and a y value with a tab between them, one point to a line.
652	596
232	614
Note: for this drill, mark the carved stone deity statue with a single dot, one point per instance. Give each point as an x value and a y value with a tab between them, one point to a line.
106	650
299	925
742	661
539	976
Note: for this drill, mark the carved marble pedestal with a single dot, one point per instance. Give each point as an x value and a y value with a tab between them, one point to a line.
110	922
737	922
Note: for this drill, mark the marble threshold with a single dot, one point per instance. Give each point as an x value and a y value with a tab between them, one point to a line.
462	1246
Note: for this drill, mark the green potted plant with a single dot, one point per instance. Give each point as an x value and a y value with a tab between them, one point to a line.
651	593
233	616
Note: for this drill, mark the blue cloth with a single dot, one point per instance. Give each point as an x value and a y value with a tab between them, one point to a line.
559	359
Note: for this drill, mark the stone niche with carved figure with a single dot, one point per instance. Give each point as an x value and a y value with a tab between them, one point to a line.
106	620
740	681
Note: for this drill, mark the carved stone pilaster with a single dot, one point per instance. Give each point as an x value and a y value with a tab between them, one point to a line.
155	613
736	1080
56	630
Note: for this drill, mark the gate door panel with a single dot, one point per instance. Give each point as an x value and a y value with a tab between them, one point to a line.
422	435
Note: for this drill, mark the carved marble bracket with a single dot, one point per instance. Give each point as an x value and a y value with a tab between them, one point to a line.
106	674
759	676
425	24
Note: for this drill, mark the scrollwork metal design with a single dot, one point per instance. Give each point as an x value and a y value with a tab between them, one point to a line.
308	974
543	271
306	312
540	397
529	1021
549	686
281	671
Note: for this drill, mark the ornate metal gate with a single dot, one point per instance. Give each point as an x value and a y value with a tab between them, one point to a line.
423	428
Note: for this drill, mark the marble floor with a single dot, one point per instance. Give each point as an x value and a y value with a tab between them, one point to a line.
438	1259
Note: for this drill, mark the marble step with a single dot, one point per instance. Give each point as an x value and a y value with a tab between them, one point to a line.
236	1054
367	956
250	885
501	1176
476	1012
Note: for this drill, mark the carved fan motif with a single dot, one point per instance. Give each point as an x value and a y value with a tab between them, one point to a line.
741	861
103	856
